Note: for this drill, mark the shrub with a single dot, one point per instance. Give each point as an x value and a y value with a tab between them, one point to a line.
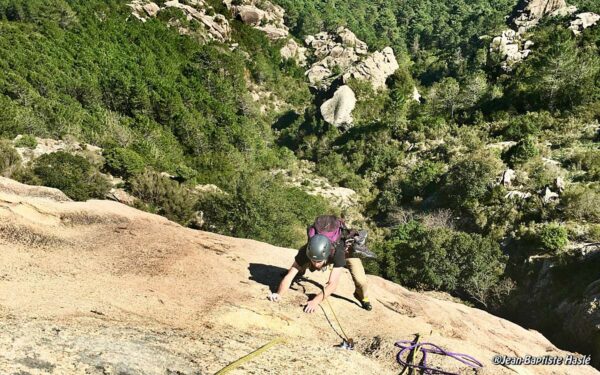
27	140
263	208
123	162
588	161
468	179
524	150
552	237
10	159
593	233
423	179
443	259
530	124
72	174
164	196
580	202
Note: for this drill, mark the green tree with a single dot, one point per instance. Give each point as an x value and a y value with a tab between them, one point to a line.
73	174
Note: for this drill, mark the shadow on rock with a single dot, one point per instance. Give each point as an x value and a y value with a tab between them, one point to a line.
266	274
271	276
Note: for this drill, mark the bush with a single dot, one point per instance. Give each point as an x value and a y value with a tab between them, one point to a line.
524	150
593	233
443	259
469	179
10	160
72	174
588	161
263	208
164	196
28	141
123	162
530	124
423	180
552	238
580	202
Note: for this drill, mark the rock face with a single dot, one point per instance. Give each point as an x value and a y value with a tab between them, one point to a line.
98	287
342	54
262	15
583	21
531	11
578	310
294	51
215	26
338	110
511	48
47	146
512	45
376	68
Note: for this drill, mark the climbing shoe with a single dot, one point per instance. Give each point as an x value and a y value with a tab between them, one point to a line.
366	305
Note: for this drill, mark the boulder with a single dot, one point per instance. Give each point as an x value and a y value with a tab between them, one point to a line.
548	195
121	196
517	194
262	15
250	15
376	68
317	73
559	183
151	9
216	26
349	39
507	177
338	110
508	46
415	95
583	21
292	50
273	32
533	11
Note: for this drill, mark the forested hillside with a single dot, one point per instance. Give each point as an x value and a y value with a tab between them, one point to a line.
487	187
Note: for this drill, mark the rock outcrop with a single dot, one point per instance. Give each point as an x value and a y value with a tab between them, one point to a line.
530	12
583	21
98	287
215	25
292	50
47	146
341	57
512	45
262	15
511	48
338	109
342	54
376	68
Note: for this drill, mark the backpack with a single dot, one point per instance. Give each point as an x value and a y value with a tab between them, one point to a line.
329	226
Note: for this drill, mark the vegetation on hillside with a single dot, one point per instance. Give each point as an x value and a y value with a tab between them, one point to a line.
428	173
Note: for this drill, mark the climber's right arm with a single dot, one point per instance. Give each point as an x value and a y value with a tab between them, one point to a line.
285	283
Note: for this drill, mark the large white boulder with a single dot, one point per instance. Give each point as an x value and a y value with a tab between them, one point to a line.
338	110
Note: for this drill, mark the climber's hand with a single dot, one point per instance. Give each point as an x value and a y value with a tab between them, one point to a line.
274	297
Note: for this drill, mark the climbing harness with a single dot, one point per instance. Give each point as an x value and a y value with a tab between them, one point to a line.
412	347
249	356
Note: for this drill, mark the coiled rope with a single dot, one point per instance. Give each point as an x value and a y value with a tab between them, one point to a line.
411	347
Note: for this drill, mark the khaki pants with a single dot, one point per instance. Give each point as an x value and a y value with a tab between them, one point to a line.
357	271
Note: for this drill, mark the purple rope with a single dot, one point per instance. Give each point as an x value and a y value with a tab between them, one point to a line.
426	347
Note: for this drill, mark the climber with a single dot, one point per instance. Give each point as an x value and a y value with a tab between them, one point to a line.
330	243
